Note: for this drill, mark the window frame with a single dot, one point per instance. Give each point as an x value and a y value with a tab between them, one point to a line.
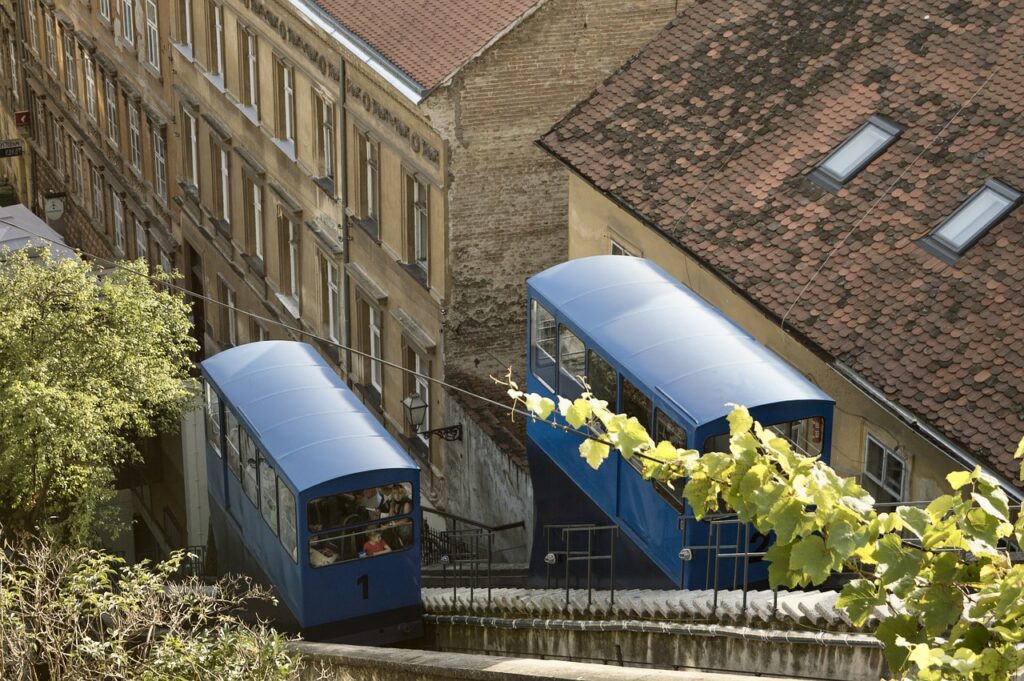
159	141
49	30
887	453
829	180
89	73
117	204
190	144
329	296
549	381
375	330
152	36
70	72
134	134
110	103
944	248
128	21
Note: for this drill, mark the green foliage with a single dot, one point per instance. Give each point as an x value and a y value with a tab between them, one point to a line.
72	613
89	366
937	582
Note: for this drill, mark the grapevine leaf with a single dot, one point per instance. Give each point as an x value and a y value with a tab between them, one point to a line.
786	516
810	555
859	599
739	420
578	414
896	561
632	438
958	479
897	626
994	502
594	452
1019	452
540	406
914	518
844	538
940	607
779	574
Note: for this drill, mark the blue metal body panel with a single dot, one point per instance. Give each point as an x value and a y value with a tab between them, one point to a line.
689	359
320	440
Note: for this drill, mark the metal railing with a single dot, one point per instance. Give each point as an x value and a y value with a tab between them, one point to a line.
571	552
465	550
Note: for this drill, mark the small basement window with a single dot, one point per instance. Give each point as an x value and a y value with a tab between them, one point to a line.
852	156
975	216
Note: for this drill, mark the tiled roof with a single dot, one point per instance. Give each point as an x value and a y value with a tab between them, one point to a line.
708	135
427	39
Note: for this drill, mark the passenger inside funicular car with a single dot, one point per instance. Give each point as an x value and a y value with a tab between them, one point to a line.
339	523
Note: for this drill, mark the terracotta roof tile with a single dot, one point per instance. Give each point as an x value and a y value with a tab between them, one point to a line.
427	39
709	132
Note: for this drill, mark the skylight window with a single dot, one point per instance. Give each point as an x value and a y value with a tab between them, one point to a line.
853	155
971	220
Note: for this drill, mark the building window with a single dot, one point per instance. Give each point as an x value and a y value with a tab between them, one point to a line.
216	35
128	21
884	472
70	70
971	220
256	331
51	43
253	217
110	92
324	125
118	204
184	19
619	249
418	220
250	70
15	81
229	314
31	18
141	240
861	148
105	9
89	67
98	216
134	136
328	297
375	348
159	159
77	185
288	238
165	262
218	159
190	148
419	384
285	77
152	35
58	149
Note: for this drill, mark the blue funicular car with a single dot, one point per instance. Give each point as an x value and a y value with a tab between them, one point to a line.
655	350
311	494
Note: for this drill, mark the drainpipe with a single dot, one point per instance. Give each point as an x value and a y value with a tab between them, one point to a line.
346	237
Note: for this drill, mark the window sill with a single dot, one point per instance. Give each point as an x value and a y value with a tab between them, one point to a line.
250	112
326	185
287	146
255	264
216	79
370	226
221	227
370	396
184	50
290	303
416	272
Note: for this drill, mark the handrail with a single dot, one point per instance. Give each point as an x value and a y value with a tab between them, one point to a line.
474	523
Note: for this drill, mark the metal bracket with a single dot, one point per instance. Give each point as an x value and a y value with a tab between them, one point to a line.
449	433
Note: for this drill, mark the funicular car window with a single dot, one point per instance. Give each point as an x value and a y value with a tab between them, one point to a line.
571	363
805	435
231	438
213	418
601	377
543	353
360	524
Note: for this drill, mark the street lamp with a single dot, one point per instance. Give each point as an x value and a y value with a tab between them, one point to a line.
416	413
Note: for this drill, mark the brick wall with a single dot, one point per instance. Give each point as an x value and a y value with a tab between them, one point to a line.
508	199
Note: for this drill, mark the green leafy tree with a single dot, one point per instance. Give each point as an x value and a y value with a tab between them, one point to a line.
949	603
73	613
88	365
